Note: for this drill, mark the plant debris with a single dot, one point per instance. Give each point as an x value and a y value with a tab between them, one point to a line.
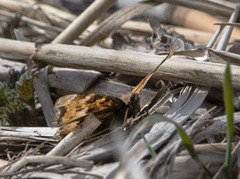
128	90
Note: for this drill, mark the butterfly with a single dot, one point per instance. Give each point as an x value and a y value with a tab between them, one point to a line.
70	110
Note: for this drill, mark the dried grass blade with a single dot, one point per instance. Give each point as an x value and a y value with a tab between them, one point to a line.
114	21
223	42
83	21
155	118
142	84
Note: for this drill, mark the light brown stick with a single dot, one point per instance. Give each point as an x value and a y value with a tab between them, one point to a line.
176	69
47	160
83	21
76	136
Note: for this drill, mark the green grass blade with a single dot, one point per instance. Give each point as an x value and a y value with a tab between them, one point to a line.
150	149
229	108
150	120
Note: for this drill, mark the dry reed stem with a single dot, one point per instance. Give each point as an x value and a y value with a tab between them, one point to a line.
114	21
47	160
75	137
83	21
15	5
223	8
140	64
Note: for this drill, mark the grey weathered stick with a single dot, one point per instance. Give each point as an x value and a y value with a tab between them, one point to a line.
228	24
223	42
232	58
83	21
41	86
214	7
16	50
47	160
89	124
6	66
37	23
176	69
63	78
114	21
15	5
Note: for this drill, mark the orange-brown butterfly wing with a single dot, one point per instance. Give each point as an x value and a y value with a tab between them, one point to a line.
70	110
